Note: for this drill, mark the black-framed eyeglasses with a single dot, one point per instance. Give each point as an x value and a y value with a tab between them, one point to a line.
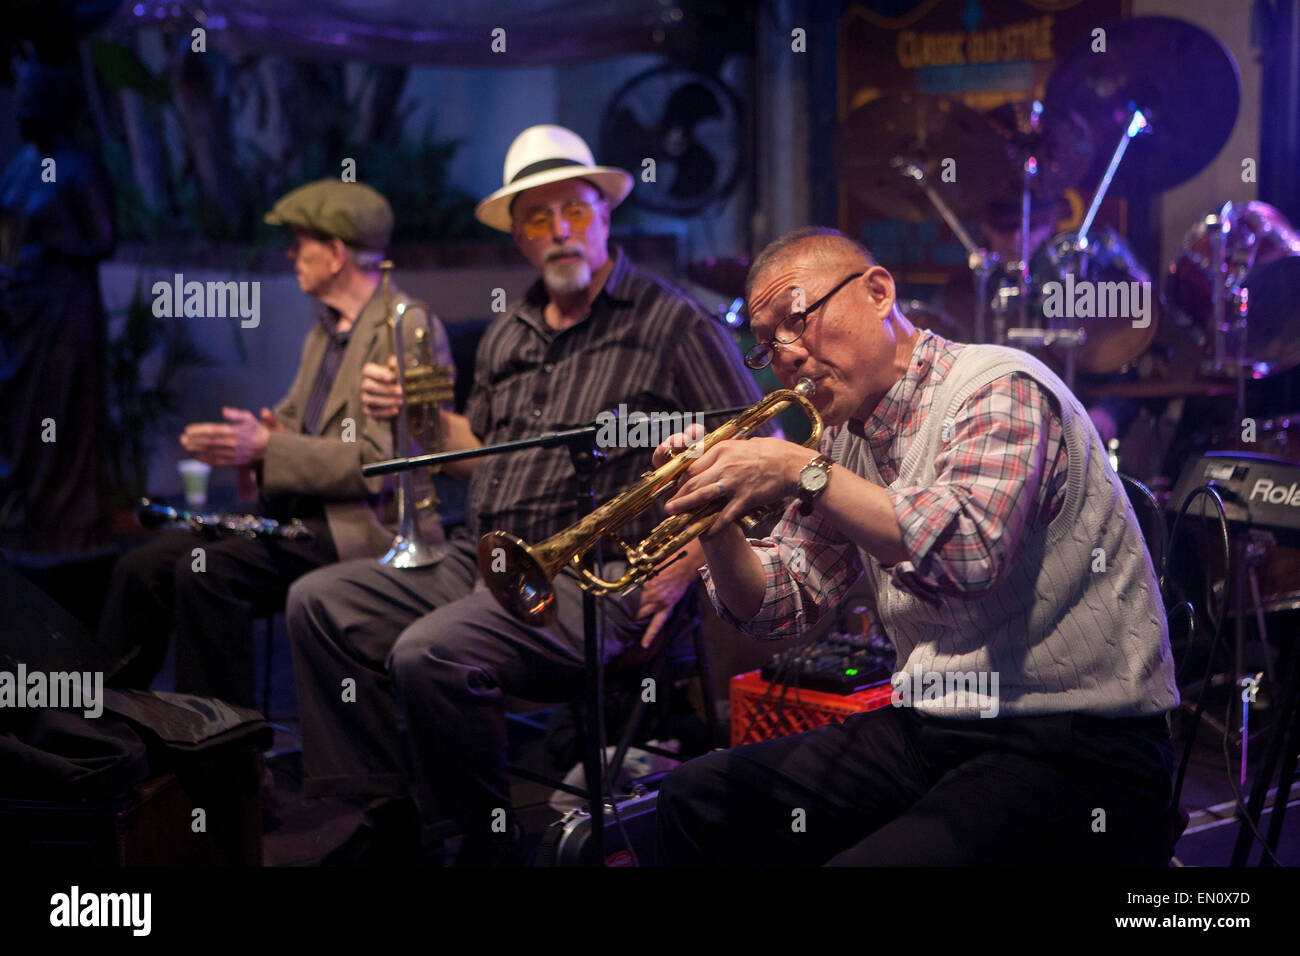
790	329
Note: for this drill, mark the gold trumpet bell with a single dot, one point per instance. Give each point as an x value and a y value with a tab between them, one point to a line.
519	575
518	578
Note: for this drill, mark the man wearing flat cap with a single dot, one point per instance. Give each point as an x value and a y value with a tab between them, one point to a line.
307	457
433	655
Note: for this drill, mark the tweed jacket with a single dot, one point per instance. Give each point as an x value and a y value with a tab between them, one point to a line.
361	513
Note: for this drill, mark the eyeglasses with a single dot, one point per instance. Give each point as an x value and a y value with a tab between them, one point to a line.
790	329
540	223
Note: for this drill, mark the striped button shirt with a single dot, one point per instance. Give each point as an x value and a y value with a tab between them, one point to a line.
645	344
1002	468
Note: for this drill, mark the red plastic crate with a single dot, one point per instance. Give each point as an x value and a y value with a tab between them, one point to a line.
801	709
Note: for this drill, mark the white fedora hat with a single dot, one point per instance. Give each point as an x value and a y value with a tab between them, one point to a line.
549	154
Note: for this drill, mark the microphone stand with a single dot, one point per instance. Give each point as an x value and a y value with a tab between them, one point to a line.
585	458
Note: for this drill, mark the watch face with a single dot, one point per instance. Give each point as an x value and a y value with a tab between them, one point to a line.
813	478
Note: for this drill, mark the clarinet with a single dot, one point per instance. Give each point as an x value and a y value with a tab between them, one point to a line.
154	514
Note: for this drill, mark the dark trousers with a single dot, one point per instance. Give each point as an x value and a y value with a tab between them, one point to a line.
156	590
431	659
895	788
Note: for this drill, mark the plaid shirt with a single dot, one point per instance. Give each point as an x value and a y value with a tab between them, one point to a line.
1001	470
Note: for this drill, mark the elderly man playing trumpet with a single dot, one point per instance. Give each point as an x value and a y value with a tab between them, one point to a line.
968	484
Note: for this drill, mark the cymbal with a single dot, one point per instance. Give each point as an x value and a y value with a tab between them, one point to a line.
924	129
1184	81
1062	143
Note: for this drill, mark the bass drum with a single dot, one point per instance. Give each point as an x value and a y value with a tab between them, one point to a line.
1279	571
1261	256
1109	311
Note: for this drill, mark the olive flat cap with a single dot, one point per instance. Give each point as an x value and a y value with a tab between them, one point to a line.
353	212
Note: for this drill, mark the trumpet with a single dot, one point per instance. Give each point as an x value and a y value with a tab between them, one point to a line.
519	575
425	385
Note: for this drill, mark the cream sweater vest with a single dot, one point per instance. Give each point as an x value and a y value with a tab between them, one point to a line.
1052	634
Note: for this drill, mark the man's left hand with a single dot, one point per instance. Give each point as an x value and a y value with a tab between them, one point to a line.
661	593
241	442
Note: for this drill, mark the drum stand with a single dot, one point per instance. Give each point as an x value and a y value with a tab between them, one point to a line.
1284	742
979	260
1249	549
1067	339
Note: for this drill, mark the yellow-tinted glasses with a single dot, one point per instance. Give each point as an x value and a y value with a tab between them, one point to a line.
539	223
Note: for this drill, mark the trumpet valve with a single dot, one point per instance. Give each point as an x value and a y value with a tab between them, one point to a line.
428	384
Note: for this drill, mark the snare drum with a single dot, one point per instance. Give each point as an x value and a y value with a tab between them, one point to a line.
1107	308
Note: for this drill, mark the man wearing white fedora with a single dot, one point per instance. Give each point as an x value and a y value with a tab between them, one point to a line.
431	654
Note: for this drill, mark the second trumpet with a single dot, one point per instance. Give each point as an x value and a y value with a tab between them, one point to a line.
425	386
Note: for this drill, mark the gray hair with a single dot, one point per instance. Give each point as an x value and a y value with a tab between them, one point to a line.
830	246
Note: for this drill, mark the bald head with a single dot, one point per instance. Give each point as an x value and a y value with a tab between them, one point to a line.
820	247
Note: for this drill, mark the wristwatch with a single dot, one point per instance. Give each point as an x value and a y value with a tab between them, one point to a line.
813	478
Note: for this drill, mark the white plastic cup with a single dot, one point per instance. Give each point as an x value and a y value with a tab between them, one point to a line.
194	475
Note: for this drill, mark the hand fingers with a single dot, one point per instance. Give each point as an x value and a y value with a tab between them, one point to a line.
380	373
200	436
698	498
270	421
705	472
674	444
236	414
654	627
377	407
381	392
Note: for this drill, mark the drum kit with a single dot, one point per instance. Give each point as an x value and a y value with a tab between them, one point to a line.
1146	115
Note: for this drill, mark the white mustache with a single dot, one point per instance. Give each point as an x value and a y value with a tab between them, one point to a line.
565	252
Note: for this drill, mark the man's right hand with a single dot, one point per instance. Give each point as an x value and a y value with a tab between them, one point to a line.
380	393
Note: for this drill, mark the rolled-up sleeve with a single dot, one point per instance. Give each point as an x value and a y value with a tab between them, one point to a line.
962	531
808	567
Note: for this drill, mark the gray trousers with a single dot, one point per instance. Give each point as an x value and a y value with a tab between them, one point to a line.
402	679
